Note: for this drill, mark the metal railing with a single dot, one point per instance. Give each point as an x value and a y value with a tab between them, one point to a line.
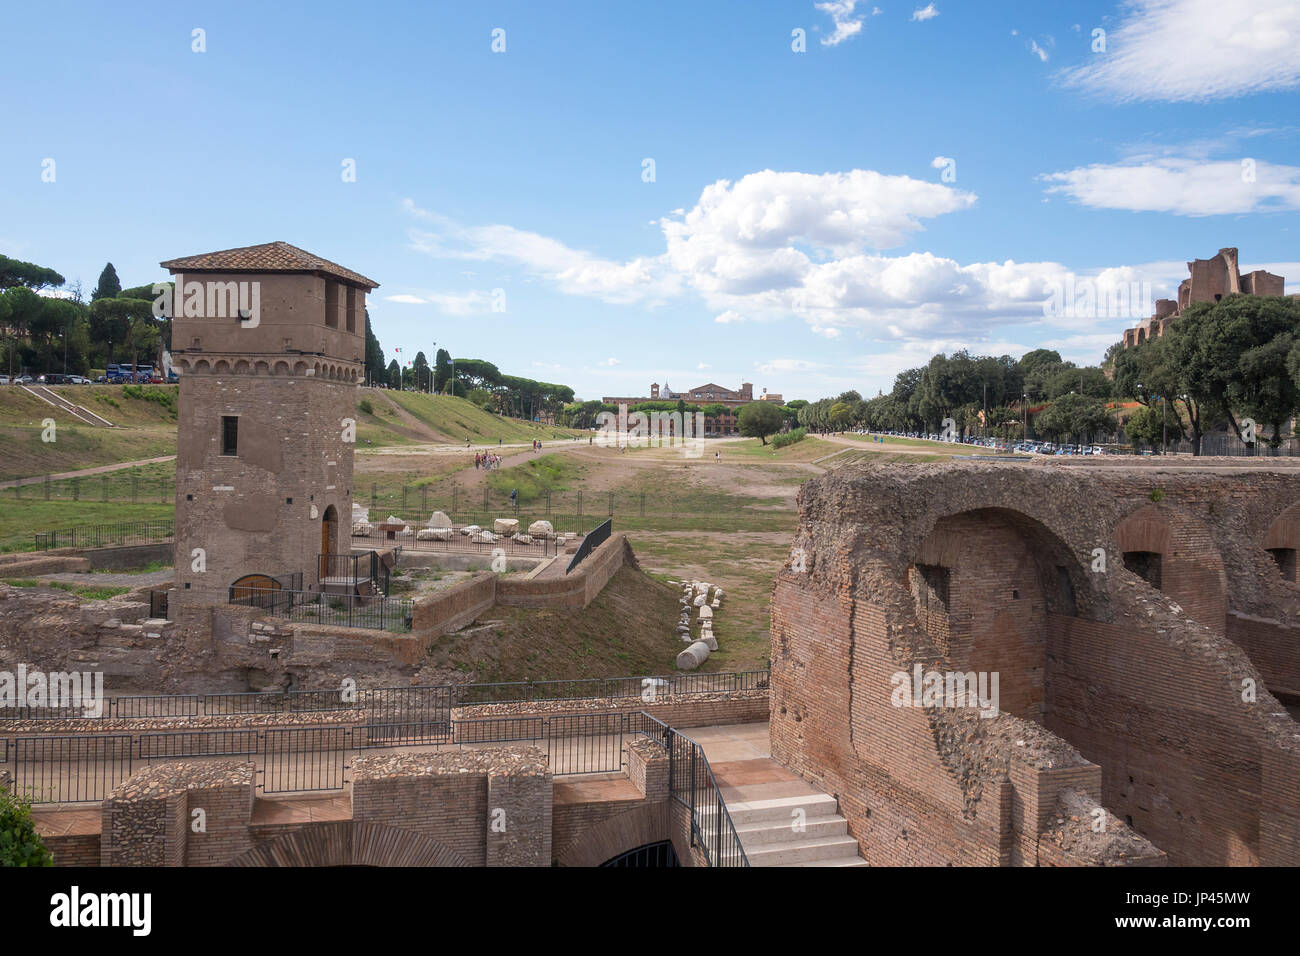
373	612
84	768
350	570
382	705
455	540
591	542
107	535
692	784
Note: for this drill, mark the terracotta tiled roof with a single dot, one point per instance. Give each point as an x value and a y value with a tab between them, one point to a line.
268	257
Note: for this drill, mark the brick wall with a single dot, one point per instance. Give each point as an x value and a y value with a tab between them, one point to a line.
455	606
1114	677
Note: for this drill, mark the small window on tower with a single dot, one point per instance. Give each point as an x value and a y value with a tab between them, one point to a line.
230	434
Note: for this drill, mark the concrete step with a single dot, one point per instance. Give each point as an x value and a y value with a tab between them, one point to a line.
767	833
843	848
836	861
779	809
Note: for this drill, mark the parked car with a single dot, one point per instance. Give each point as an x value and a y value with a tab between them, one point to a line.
172	377
78	380
24	380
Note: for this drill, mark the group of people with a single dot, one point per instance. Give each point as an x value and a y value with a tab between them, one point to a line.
486	461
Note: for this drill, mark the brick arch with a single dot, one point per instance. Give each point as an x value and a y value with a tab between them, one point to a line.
1282	541
983	583
1284	532
1191	572
648	823
1146	529
350	843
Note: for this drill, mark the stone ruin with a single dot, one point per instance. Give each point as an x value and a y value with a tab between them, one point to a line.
695	594
1144	626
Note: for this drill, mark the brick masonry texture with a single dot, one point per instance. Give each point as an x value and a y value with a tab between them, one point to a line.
1128	697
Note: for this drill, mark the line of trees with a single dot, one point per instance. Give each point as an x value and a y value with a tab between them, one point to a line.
45	333
477	380
1219	367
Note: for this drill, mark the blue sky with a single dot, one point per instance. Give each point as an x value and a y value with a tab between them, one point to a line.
919	178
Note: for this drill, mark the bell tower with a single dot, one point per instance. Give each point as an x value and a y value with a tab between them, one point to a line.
269	342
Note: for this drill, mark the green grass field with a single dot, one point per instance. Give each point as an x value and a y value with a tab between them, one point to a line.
404	418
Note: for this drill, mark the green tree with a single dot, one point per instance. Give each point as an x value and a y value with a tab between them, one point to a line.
20	844
1074	416
121	320
109	287
420	372
24	307
1150	424
394	374
15	273
374	355
1225	359
441	370
760	419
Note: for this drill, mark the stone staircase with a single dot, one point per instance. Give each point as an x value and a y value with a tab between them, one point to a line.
768	832
83	415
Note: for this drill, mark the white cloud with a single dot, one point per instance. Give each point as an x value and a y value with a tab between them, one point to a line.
928	12
449	303
611	362
1037	50
1185	187
572	270
779	245
939	162
841	13
703	367
1196	50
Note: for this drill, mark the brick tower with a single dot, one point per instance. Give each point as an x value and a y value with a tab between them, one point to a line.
269	342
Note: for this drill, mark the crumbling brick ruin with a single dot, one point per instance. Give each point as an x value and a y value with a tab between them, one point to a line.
1208	280
1144	625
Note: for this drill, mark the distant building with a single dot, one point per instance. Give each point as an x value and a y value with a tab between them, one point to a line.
1209	280
710	394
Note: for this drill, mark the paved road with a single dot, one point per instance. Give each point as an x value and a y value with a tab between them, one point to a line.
100	470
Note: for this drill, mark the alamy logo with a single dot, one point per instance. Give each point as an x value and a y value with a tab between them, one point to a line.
75	909
953	689
37	689
209	300
644	429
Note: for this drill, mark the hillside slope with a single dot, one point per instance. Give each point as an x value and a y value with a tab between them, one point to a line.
403	418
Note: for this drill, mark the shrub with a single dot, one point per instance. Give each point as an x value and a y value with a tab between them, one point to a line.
365	406
789	438
20	845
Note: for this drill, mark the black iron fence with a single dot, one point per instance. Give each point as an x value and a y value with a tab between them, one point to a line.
480	506
108	535
373	612
692	784
88	767
392	705
350	570
123	486
460	537
591	542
